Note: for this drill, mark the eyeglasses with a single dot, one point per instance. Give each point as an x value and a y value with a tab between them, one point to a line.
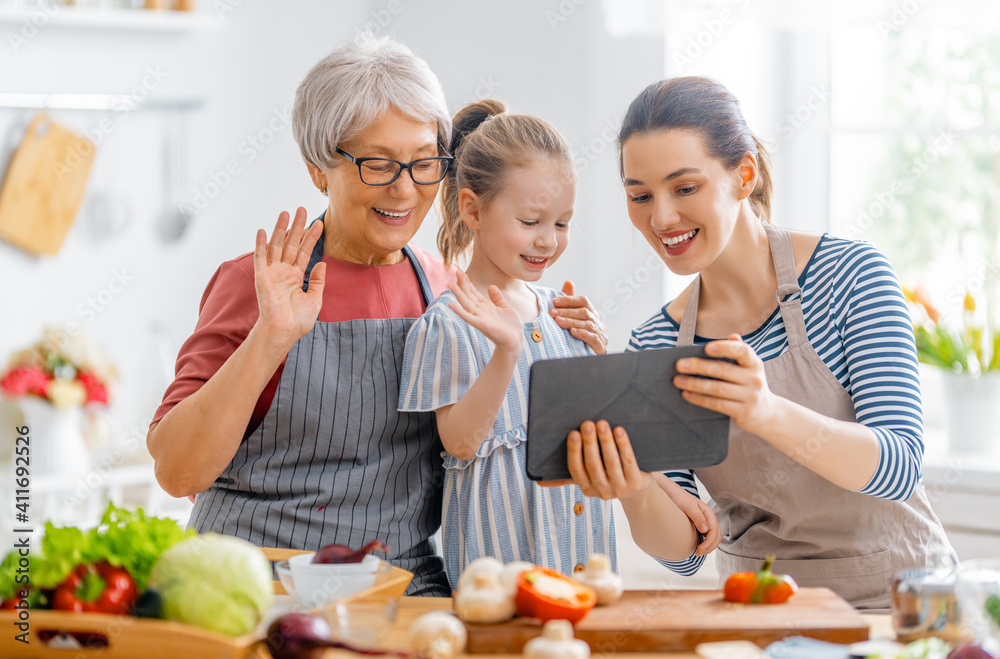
383	171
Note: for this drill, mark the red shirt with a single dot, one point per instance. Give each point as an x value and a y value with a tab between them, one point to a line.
229	310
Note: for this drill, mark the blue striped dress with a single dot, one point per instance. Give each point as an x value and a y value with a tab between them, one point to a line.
858	322
491	508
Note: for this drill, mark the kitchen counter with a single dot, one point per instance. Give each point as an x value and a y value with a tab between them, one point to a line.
411	608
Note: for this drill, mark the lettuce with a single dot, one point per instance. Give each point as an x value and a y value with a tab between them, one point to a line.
126	539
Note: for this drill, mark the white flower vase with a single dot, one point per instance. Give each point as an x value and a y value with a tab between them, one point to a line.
58	447
973	409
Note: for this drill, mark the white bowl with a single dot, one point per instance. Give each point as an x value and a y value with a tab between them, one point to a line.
318	585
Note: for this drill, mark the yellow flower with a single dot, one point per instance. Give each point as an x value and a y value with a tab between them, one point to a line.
66	393
969	303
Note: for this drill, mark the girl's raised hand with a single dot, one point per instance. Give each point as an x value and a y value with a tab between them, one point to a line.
576	314
279	265
492	315
737	390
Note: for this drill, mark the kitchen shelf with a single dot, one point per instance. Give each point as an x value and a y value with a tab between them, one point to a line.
101	102
147	20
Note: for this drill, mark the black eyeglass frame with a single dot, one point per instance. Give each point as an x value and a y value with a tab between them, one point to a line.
448	161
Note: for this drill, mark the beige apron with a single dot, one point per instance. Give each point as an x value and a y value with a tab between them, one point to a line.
767	503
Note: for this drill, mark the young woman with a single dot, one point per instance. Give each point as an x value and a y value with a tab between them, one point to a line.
826	436
510	197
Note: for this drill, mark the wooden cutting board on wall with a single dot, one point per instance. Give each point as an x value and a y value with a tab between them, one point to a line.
679	620
44	186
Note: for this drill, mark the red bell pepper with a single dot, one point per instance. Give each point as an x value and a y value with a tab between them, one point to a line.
762	587
96	588
549	595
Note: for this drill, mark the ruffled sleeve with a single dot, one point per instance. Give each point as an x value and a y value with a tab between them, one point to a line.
438	365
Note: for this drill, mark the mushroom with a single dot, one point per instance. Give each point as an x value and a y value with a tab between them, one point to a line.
437	635
556	642
598	575
510	573
484	600
478	566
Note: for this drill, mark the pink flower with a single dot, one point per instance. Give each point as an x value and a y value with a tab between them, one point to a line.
24	380
96	391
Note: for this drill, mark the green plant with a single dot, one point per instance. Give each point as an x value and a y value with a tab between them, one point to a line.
970	348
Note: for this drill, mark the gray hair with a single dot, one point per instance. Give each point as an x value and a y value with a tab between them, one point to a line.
347	90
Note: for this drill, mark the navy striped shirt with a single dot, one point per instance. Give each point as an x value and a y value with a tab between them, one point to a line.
858	322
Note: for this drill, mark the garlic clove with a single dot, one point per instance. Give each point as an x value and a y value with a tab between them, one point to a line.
556	642
480	565
598	575
599	564
438	635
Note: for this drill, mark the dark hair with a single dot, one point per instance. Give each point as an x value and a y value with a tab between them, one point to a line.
487	142
706	107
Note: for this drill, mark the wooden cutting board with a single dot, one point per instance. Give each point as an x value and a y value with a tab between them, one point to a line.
678	620
44	186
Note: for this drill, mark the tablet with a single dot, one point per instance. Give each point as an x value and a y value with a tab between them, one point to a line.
633	390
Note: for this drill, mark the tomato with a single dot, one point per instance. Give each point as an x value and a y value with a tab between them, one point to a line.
762	587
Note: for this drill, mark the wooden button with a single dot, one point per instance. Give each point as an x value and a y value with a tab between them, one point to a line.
536	336
578	508
578	568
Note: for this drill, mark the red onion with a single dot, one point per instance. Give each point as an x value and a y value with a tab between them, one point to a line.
344	554
302	636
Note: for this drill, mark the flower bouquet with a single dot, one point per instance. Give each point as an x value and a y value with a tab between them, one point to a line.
968	354
62	369
969	348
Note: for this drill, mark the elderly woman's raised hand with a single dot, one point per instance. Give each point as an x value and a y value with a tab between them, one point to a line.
576	314
287	313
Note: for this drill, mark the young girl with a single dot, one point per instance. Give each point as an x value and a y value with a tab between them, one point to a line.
826	441
510	196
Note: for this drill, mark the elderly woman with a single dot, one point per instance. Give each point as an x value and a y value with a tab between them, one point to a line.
282	417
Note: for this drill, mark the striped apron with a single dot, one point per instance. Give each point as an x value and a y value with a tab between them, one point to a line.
822	534
333	461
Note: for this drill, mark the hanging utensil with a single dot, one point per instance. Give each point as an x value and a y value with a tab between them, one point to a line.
173	221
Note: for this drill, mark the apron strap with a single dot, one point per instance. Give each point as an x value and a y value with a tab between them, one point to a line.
788	285
317	256
685	336
425	286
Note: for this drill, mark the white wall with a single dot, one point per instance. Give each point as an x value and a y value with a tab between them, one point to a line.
554	59
562	66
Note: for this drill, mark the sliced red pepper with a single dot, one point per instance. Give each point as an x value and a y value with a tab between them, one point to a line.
96	588
548	595
762	587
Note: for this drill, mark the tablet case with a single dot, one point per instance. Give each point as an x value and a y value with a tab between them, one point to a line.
633	390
